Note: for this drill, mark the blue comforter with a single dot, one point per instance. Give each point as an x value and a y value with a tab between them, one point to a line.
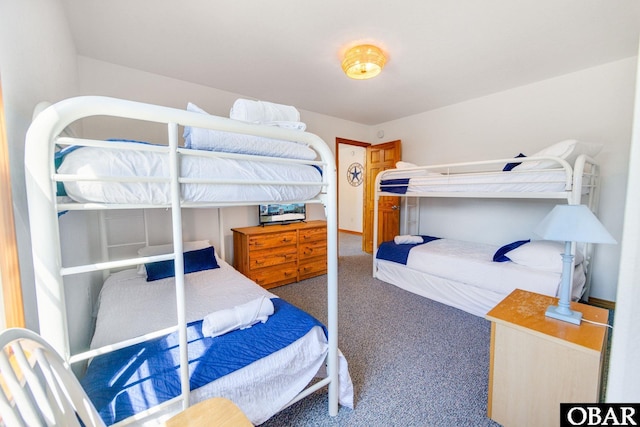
135	378
390	251
398	185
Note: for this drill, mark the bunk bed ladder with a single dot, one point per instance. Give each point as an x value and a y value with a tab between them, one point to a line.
410	215
176	223
114	245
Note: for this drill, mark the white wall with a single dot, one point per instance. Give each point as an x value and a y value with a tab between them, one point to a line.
37	62
350	197
593	105
623	384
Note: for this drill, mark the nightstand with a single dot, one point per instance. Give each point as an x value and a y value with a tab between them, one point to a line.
537	362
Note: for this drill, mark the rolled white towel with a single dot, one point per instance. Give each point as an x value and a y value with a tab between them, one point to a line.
263	112
407	239
288	125
239	317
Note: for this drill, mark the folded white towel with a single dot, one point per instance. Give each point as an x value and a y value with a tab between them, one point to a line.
263	112
407	239
239	317
288	125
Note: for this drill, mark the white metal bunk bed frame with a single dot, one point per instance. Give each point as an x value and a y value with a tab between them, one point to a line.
574	185
41	179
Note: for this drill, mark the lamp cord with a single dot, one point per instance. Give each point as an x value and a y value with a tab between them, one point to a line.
597	323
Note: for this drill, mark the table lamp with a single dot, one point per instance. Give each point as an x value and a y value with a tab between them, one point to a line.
570	223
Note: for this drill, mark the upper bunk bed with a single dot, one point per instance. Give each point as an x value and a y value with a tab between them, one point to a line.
565	172
223	162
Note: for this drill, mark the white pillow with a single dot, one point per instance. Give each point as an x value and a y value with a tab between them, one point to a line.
568	150
541	255
168	248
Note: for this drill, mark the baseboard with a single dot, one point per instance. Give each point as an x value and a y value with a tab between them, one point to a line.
603	303
357	233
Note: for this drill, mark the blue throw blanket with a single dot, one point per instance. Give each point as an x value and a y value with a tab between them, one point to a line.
135	378
390	251
398	186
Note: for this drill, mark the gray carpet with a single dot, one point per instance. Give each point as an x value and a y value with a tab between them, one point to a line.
413	361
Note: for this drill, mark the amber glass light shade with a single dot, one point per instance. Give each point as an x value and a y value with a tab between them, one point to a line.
363	62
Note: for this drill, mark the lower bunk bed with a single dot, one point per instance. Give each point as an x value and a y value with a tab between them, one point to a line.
244	343
471	276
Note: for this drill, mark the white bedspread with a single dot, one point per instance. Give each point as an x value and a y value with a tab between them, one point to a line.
547	180
129	306
94	161
471	263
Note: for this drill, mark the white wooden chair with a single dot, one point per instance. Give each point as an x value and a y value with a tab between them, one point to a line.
38	388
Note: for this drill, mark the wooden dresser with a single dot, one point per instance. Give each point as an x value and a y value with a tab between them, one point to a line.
275	255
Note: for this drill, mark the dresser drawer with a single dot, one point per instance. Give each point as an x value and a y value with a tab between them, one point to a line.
313	235
312	268
312	249
272	240
270	257
276	275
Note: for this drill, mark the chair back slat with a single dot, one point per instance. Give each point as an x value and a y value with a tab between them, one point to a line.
10	417
56	398
21	396
38	387
33	382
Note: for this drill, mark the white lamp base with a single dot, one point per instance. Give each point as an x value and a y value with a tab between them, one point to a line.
564	314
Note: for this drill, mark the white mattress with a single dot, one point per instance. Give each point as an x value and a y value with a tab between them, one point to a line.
95	161
544	180
462	274
260	389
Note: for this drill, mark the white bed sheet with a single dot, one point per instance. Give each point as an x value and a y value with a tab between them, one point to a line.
129	306
463	274
95	161
546	180
260	389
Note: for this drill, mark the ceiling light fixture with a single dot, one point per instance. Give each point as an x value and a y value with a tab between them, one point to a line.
363	62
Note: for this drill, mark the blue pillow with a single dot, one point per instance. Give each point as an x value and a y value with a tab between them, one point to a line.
500	255
510	166
198	260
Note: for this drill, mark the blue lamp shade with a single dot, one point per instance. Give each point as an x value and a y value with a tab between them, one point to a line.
570	223
573	223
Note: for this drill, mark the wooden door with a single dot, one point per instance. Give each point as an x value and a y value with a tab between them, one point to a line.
380	157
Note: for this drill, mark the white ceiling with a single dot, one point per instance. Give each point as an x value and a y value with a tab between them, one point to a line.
440	52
